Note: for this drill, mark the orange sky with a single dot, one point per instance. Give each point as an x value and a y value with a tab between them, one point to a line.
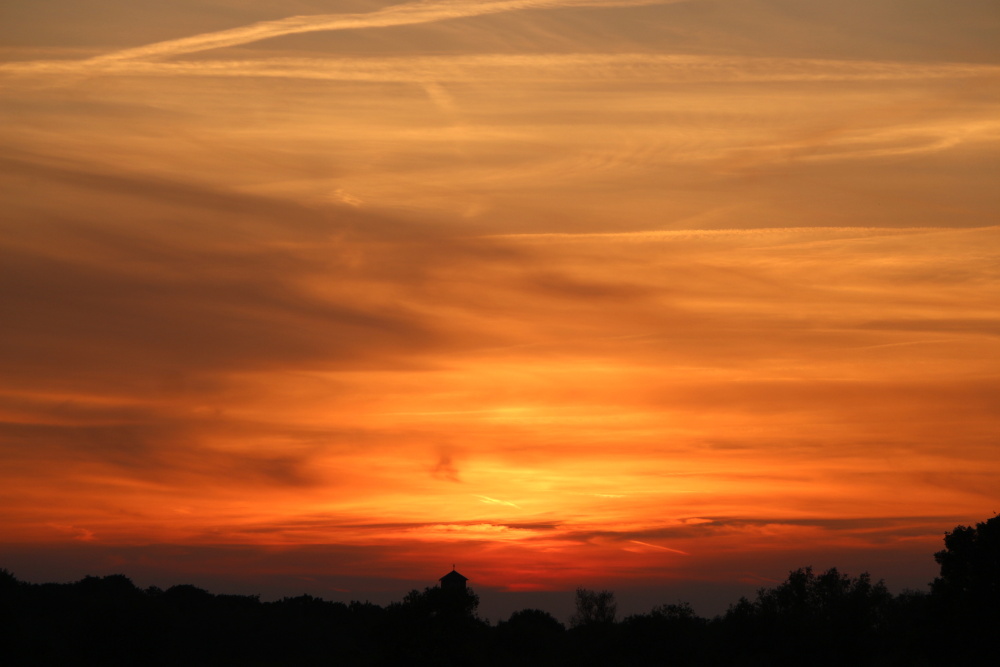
569	292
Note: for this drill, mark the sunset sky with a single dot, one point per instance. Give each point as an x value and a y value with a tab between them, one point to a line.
666	297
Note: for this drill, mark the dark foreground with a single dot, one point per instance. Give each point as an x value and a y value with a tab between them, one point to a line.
827	619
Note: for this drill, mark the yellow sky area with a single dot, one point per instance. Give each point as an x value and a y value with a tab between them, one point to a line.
554	288
617	390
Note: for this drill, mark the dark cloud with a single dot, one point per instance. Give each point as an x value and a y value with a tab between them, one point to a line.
873	529
40	174
174	279
567	288
167	452
445	468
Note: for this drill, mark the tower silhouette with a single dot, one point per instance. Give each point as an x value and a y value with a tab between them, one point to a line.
453	580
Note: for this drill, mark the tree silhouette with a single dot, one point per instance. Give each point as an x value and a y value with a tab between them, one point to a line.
445	604
675	613
965	598
670	634
530	636
594	608
534	622
826	619
970	567
831	618
436	626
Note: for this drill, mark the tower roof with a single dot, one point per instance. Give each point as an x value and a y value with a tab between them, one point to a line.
453	577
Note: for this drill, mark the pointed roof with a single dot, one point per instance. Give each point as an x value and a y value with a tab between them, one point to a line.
452	578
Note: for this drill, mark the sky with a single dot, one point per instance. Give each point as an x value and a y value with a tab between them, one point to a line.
663	297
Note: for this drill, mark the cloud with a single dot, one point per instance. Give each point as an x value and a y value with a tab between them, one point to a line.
395	15
661	548
693	234
542	67
494	501
199	297
445	468
77	533
158	450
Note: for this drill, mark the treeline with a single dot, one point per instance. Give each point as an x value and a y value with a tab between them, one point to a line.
824	619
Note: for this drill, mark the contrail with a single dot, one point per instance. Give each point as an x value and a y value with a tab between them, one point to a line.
657	546
722	233
540	66
494	501
427	11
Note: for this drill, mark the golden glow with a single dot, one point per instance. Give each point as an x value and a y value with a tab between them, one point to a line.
564	290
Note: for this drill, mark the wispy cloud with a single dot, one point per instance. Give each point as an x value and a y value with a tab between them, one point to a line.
494	501
395	15
661	548
686	234
665	68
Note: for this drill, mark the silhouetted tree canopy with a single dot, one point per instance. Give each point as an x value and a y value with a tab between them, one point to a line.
531	635
831	617
965	597
970	567
534	621
452	604
594	608
826	619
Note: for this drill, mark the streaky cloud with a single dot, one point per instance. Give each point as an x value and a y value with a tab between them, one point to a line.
395	15
681	234
668	67
657	546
